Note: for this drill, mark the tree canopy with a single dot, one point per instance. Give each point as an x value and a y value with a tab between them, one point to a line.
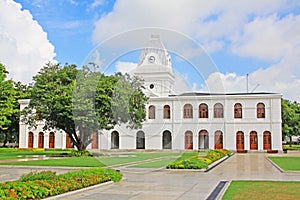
81	102
290	119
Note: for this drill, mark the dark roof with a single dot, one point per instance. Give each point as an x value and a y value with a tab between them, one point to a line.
226	94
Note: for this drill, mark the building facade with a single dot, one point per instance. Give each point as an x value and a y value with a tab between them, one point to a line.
195	121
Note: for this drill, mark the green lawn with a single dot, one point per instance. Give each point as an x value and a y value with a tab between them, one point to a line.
7	153
262	190
155	164
287	163
98	161
69	162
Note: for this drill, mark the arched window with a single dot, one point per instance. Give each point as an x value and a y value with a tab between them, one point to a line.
151	113
238	110
203	110
260	110
167	112
188	111
218	110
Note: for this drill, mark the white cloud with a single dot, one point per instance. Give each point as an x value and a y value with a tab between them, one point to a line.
24	45
125	67
282	77
257	29
268	38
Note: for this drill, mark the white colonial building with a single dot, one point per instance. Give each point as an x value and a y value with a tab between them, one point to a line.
235	121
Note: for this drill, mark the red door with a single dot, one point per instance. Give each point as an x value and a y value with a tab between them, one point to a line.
253	141
51	140
267	140
188	140
95	141
68	141
240	140
30	140
41	140
218	140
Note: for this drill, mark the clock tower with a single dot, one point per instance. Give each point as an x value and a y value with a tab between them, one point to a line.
155	68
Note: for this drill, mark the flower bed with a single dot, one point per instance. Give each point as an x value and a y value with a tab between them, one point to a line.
37	185
199	162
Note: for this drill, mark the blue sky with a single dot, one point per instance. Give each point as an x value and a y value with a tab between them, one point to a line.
255	37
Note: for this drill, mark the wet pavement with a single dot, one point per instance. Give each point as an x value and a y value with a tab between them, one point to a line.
167	184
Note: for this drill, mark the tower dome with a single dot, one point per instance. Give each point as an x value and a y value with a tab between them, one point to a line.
155	68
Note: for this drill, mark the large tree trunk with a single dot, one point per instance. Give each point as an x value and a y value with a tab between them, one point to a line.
291	141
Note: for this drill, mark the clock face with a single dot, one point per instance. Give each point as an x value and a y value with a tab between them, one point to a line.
151	59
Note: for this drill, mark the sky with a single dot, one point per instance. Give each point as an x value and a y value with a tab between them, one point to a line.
258	39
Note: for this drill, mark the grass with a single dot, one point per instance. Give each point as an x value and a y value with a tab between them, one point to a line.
10	153
68	162
154	164
241	190
96	161
287	163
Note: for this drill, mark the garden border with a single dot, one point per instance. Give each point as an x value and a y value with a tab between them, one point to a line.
80	190
210	167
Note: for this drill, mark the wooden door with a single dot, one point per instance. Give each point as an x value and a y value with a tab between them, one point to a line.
68	141
41	140
95	141
253	141
240	141
188	140
267	141
218	140
51	140
30	140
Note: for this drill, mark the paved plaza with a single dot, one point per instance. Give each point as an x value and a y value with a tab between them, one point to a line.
169	184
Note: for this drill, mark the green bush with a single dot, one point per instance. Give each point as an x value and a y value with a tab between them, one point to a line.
198	162
45	184
44	175
76	153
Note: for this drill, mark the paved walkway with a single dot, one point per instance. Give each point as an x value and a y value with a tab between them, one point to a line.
167	184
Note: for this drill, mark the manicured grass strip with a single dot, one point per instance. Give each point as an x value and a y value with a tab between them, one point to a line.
6	154
155	164
262	190
68	162
287	163
134	157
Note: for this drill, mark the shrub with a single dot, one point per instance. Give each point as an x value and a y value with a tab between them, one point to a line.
44	175
198	162
44	184
76	153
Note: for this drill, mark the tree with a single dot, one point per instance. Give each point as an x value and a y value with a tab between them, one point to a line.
7	100
81	102
290	119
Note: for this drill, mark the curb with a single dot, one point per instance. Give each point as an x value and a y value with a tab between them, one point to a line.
280	169
77	191
210	167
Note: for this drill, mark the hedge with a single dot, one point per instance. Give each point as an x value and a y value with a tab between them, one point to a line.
37	185
199	162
